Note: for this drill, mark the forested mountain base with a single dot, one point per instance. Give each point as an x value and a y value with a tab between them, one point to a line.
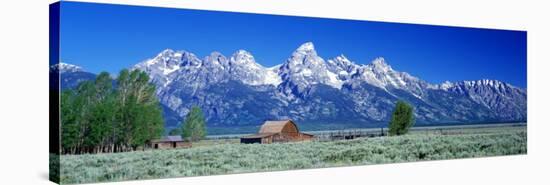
241	158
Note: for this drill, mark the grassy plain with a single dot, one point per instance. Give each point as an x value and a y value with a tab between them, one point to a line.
211	157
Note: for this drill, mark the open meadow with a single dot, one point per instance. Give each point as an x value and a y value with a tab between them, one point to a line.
213	157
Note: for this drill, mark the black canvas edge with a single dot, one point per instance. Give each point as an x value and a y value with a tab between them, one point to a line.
54	92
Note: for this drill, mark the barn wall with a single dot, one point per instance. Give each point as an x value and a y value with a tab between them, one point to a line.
290	129
163	145
291	137
285	137
267	140
305	137
183	144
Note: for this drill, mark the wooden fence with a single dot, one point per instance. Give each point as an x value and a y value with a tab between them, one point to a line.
348	134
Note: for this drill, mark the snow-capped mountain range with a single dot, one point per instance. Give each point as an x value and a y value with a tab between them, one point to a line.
309	89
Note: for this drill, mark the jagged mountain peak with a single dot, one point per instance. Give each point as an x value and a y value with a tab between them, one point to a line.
242	52
215	55
306	56
164	56
307	46
237	90
342	61
446	85
242	57
243	67
342	67
379	61
170	54
166	51
166	62
174	54
303	70
342	58
380	64
189	59
215	58
306	49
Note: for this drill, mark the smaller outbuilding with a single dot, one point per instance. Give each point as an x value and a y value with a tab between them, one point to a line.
277	132
170	142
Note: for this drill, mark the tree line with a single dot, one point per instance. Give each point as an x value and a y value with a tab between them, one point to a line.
110	116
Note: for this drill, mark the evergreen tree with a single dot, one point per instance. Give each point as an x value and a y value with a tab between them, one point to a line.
402	118
194	127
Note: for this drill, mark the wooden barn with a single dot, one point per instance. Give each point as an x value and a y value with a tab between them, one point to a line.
170	142
277	131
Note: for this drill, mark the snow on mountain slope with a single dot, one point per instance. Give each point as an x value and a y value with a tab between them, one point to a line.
305	87
64	67
170	65
342	67
243	66
303	69
71	75
382	75
162	67
509	101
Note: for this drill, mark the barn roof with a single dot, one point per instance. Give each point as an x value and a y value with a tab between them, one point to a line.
275	126
306	134
168	139
258	135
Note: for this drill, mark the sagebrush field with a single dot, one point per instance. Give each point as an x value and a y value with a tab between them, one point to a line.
231	157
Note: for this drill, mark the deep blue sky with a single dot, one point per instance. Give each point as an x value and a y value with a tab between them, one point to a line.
102	37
